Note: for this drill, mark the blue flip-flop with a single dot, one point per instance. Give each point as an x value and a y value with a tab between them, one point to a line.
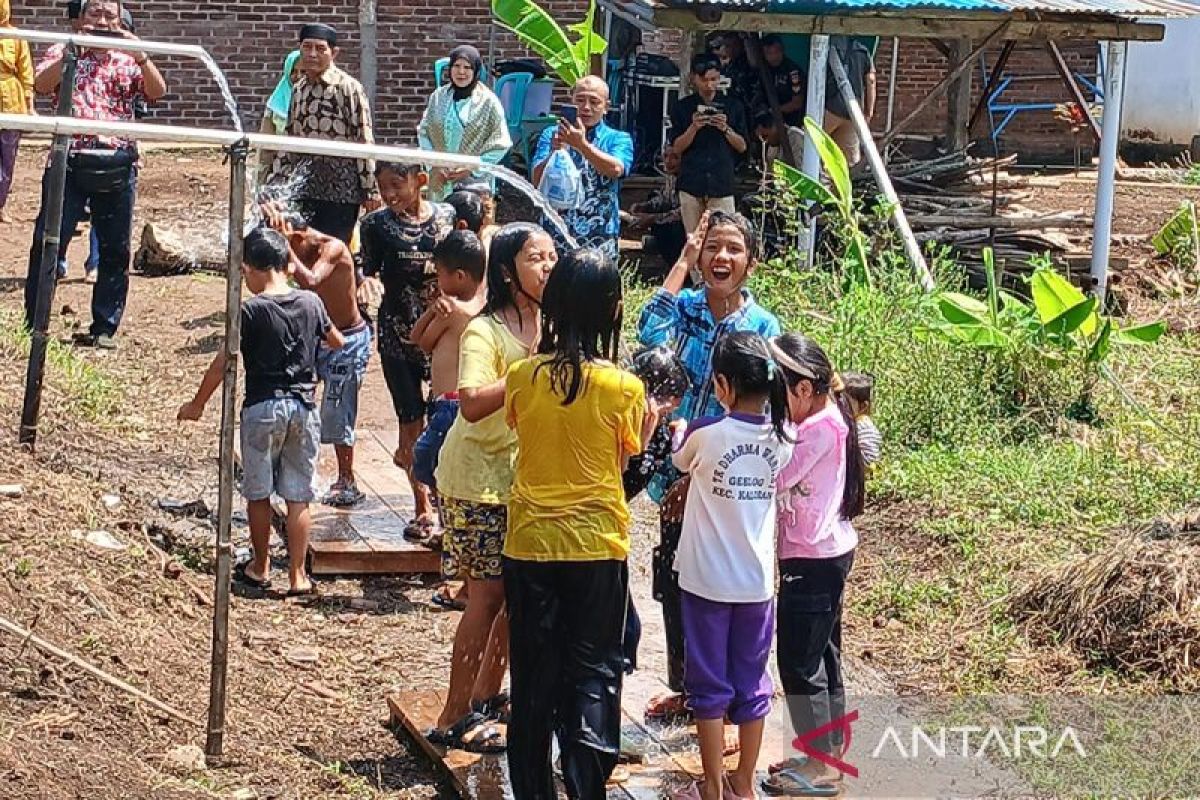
794	783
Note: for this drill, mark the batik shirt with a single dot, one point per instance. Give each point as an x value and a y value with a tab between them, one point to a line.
684	323
596	221
334	107
400	253
108	84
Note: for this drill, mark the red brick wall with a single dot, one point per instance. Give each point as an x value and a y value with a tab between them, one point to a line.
249	38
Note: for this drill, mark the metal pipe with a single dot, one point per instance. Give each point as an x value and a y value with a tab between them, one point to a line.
1114	90
214	742
818	58
911	248
222	138
52	214
895	67
84	41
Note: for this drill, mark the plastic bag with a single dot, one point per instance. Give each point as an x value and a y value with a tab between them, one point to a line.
561	183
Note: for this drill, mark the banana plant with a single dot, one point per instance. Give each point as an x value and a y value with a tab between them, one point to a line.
838	196
567	51
1059	324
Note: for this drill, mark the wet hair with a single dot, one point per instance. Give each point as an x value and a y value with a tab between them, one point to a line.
858	386
502	279
802	359
265	250
703	62
724	219
764	119
581	318
661	372
468	208
744	360
404	170
461	250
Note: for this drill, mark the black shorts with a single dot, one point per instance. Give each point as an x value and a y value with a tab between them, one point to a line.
332	219
406	383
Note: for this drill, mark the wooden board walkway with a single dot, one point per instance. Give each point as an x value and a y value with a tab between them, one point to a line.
369	538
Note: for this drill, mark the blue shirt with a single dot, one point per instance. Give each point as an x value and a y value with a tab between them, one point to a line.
596	222
685	323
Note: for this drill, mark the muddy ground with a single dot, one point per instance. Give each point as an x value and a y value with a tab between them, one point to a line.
295	729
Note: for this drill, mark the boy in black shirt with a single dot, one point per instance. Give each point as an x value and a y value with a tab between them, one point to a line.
786	78
397	244
708	132
281	328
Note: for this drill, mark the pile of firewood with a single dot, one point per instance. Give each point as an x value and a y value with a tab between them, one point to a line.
969	203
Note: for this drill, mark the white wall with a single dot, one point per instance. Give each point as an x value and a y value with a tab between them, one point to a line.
1162	83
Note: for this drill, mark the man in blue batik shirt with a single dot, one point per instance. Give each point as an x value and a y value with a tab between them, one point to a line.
603	155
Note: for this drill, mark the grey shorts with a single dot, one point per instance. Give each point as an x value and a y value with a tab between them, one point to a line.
280	443
342	371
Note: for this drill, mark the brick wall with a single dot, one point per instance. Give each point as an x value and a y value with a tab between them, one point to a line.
249	38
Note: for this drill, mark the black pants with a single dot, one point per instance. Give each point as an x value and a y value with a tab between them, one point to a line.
810	643
565	624
666	592
333	219
405	382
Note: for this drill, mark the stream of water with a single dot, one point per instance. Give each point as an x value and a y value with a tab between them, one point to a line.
226	93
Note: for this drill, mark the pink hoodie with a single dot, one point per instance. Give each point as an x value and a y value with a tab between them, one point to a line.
810	490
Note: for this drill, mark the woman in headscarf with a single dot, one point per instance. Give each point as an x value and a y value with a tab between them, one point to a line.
16	97
279	104
464	117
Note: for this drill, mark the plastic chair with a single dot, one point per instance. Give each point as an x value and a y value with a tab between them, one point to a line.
442	64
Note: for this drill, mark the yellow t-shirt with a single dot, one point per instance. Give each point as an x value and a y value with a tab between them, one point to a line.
568	501
476	460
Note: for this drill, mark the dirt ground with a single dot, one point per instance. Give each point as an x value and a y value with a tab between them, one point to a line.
294	729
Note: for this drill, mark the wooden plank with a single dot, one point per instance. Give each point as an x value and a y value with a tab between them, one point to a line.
958	105
417	561
943	26
470	775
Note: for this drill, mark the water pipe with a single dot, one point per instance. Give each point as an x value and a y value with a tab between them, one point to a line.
84	41
1106	171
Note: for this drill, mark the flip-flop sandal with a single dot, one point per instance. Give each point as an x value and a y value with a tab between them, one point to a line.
310	591
241	576
669	708
494	708
481	736
795	762
343	496
444	601
419	531
452	736
794	783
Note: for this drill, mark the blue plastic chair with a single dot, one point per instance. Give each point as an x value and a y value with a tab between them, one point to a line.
442	64
511	89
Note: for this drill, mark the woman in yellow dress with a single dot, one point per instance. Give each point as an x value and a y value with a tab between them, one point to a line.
16	97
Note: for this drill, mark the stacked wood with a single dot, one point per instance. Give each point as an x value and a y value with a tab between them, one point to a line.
970	203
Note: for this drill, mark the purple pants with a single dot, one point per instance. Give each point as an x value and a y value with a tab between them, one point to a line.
9	141
726	647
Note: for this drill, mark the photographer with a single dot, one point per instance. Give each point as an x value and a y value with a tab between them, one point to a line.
707	131
101	170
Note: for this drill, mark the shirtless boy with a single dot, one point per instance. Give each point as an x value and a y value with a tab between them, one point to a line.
324	265
460	263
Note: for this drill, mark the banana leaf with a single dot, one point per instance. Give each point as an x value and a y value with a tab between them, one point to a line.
589	42
1149	333
1177	230
1054	296
802	185
834	161
569	59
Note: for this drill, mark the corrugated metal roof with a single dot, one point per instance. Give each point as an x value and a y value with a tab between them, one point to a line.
1124	8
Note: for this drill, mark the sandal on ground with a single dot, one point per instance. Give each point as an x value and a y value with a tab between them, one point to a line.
308	591
445	601
794	783
241	576
795	762
343	495
448	737
495	708
481	736
419	530
671	707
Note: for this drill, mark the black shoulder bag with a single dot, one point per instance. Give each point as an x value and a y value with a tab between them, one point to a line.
101	171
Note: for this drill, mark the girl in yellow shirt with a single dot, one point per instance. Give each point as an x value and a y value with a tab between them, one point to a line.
578	418
16	97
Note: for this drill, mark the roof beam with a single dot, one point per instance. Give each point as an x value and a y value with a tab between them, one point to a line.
942	26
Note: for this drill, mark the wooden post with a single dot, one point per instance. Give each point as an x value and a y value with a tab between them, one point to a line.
1064	72
215	741
992	82
367	35
958	105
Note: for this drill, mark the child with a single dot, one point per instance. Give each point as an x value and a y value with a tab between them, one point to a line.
724	561
859	387
691	321
280	428
820	491
577	416
487	193
397	257
468	208
475	475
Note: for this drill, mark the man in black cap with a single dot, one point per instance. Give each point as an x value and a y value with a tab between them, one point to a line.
326	104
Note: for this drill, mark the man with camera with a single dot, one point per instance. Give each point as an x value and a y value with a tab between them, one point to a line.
707	131
101	170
